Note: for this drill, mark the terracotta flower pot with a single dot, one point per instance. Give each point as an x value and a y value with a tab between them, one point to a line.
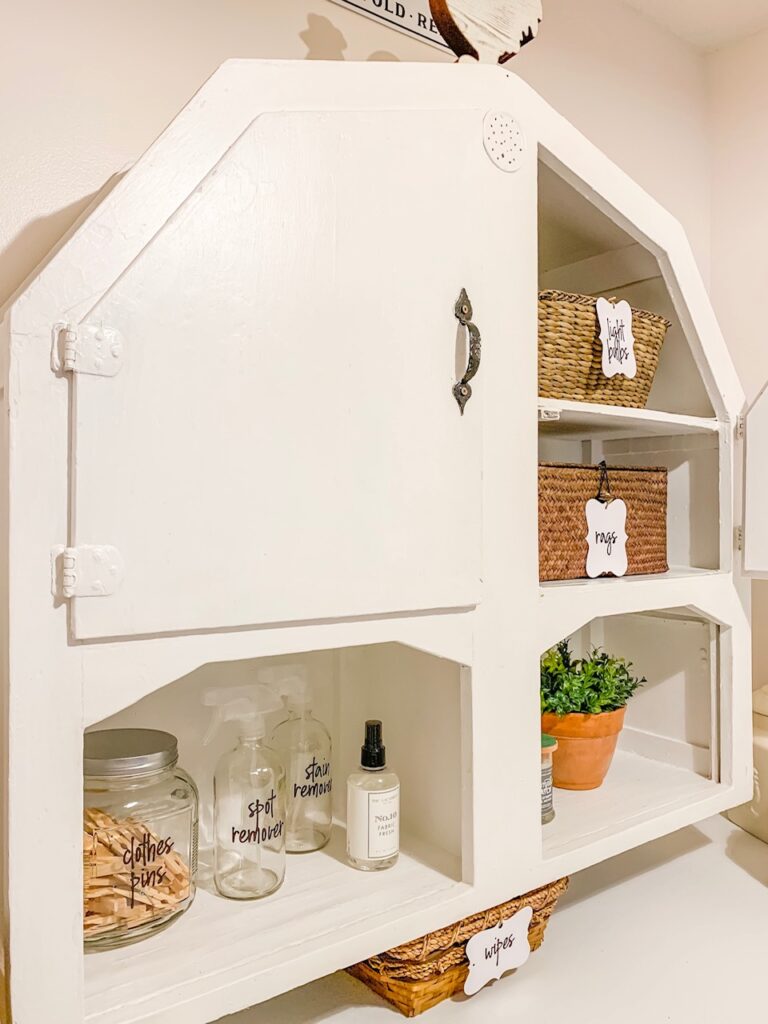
586	744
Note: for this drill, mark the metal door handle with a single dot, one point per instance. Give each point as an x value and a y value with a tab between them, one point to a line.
462	392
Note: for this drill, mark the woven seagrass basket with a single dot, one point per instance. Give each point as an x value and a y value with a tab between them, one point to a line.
420	974
565	489
570	352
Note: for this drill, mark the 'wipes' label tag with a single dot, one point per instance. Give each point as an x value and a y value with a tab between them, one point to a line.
606	537
497	950
617	338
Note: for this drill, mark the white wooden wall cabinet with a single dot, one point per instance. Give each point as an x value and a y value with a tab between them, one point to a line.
270	444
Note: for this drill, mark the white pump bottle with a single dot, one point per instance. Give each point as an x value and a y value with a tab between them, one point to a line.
305	746
248	797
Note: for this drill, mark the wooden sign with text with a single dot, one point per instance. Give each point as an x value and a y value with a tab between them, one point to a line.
410	16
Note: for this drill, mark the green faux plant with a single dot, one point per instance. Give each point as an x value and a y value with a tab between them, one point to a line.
588	686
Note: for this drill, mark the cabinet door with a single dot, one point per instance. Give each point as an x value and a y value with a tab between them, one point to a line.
282	442
756	488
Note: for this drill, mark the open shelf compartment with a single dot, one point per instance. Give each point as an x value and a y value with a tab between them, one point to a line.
592	250
588	247
696	537
668	756
317	921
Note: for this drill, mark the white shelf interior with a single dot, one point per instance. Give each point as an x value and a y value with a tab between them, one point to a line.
582	249
688	447
669	751
222	953
228	955
636	790
403	687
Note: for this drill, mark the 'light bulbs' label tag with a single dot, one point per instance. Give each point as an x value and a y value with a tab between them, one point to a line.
606	537
497	950
617	338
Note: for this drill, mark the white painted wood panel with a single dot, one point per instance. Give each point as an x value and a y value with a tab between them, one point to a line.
114	678
636	791
585	421
224	955
756	488
283	442
673	654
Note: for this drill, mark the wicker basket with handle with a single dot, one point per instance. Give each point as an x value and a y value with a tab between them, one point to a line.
570	352
424	972
565	489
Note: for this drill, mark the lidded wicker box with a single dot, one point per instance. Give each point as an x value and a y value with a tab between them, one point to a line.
422	973
570	352
565	489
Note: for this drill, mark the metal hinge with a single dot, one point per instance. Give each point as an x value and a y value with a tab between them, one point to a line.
548	415
739	538
86	348
91	570
739	429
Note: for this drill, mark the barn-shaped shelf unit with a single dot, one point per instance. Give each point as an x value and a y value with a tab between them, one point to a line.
232	386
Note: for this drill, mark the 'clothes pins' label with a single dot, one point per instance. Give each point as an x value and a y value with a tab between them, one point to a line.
145	861
497	950
617	338
606	537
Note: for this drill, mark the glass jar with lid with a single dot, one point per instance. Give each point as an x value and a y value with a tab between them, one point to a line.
140	826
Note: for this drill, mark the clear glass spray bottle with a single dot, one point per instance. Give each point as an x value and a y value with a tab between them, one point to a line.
305	746
248	797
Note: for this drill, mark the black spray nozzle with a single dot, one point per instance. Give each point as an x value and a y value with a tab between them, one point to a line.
373	753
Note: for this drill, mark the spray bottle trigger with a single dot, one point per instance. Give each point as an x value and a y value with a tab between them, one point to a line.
290	682
210	732
239	703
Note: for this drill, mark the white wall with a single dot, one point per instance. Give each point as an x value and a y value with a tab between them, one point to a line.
738	84
738	87
85	87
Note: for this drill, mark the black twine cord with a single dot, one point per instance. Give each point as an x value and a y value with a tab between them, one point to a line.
604	484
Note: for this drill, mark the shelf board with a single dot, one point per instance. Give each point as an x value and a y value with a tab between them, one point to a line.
566	605
676	572
637	791
584	421
224	955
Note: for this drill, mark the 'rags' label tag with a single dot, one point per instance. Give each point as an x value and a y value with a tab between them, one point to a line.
497	950
606	537
617	338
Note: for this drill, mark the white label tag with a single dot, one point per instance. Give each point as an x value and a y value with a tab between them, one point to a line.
606	537
617	338
373	823
383	823
497	950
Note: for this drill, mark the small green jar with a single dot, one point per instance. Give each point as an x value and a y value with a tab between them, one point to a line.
548	747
